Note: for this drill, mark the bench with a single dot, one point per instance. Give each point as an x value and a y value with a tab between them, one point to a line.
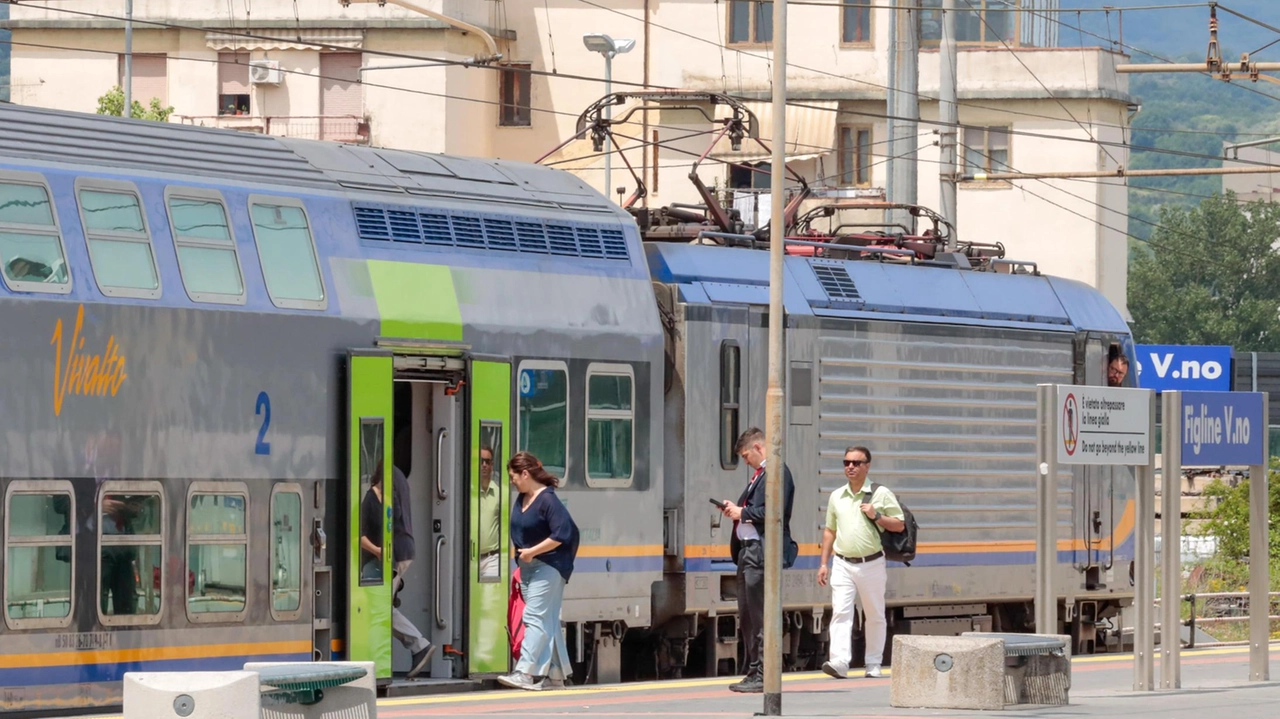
263	690
979	670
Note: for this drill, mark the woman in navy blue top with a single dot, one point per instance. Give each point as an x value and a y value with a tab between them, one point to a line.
546	540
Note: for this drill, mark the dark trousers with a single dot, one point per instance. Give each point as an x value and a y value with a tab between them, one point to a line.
751	604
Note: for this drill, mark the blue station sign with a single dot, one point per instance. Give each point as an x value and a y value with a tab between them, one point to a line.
1222	428
1203	368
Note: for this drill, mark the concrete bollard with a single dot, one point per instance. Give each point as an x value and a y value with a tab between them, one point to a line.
947	673
191	695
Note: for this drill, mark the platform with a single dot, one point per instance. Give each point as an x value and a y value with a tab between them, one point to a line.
1214	685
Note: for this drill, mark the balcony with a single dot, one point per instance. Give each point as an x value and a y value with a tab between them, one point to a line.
333	128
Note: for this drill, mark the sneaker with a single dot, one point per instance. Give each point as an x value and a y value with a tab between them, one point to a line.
420	660
749	685
551	684
835	672
873	671
520	680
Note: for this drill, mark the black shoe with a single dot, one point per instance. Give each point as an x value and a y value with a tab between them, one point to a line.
749	685
420	660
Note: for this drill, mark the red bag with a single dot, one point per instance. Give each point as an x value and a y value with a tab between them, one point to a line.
515	616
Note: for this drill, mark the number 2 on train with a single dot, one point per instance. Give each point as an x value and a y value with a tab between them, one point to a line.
263	407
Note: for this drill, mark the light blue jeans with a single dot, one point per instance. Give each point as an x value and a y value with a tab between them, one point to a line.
543	653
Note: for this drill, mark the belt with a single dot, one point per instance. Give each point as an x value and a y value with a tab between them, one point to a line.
862	560
494	553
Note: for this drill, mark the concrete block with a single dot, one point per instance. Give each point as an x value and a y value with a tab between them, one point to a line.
191	695
1038	678
947	673
354	700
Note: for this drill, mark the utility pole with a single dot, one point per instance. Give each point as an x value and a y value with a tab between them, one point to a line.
904	103
949	117
774	397
128	58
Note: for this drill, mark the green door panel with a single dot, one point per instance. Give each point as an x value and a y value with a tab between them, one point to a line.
489	510
369	407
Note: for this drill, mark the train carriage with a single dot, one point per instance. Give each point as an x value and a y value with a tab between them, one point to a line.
216	341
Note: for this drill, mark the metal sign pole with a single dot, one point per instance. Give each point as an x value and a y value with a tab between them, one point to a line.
1144	570
1171	544
1259	530
1046	507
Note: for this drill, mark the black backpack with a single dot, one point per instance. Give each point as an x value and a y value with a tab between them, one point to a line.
898	546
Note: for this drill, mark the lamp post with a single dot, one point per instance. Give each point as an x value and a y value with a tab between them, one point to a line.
608	47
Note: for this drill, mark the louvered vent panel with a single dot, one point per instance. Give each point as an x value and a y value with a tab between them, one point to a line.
371	223
532	237
435	229
404	226
500	234
837	282
561	240
467	231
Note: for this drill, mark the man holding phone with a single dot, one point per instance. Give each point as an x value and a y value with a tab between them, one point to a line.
748	552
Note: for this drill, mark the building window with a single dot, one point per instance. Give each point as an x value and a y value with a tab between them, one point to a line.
516	104
130	553
981	22
610	425
30	242
750	22
730	386
119	241
39	555
855	22
207	256
217	551
150	79
855	156
286	552
234	92
287	253
986	149
543	420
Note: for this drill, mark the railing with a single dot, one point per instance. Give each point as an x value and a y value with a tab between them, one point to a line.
1243	614
334	128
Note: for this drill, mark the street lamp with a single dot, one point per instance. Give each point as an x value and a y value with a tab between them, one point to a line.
608	47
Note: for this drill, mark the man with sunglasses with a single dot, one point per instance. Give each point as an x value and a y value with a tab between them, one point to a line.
490	518
855	519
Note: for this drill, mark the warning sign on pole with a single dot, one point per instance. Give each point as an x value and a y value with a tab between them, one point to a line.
1103	425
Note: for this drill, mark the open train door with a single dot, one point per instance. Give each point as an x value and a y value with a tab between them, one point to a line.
369	433
490	506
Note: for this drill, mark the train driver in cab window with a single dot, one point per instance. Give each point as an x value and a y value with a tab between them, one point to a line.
1117	367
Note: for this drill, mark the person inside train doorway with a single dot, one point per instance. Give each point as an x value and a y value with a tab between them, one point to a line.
1117	367
490	518
855	519
546	542
402	552
748	552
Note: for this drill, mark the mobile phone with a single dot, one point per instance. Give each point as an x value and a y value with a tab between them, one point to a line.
717	502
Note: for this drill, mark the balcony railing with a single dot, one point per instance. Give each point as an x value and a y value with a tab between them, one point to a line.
334	128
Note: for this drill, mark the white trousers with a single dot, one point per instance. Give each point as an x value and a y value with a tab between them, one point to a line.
848	583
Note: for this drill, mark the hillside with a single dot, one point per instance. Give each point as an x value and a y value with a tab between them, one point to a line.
1172	31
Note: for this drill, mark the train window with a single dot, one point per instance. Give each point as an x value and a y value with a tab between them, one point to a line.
286	552
217	550
610	425
31	251
489	487
206	247
730	386
543	422
287	253
119	242
39	557
130	552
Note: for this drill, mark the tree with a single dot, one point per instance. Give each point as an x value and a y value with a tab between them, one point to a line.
1228	520
112	103
1210	276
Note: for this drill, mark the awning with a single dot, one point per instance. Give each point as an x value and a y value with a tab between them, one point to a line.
291	39
811	132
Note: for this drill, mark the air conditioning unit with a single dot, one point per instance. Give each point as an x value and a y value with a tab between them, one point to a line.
264	72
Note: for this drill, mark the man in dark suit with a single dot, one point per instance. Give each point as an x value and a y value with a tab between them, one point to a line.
747	550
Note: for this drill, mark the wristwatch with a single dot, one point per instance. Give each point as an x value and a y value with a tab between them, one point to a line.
877	517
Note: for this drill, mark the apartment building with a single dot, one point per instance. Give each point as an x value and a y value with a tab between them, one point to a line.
510	78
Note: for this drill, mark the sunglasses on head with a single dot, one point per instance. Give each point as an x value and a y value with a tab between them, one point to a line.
855	462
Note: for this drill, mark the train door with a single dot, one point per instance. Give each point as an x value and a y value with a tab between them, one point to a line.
488	563
1094	488
369	418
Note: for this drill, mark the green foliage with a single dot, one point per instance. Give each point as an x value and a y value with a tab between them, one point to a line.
112	103
1210	277
1228	520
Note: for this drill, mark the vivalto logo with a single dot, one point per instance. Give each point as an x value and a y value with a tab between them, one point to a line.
77	372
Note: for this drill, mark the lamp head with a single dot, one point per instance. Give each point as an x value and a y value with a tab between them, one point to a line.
607	46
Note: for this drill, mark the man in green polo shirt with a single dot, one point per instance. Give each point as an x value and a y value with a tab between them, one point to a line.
853	529
490	519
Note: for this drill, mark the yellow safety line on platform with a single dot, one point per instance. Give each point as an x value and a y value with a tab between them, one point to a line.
696	683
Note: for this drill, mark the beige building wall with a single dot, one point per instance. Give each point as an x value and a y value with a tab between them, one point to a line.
1068	227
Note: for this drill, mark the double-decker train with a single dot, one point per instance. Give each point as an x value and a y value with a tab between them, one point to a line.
214	342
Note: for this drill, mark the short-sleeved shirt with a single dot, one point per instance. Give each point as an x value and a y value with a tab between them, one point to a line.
856	535
490	520
371	520
546	517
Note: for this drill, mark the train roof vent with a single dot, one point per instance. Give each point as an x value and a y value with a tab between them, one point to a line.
837	283
408	227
